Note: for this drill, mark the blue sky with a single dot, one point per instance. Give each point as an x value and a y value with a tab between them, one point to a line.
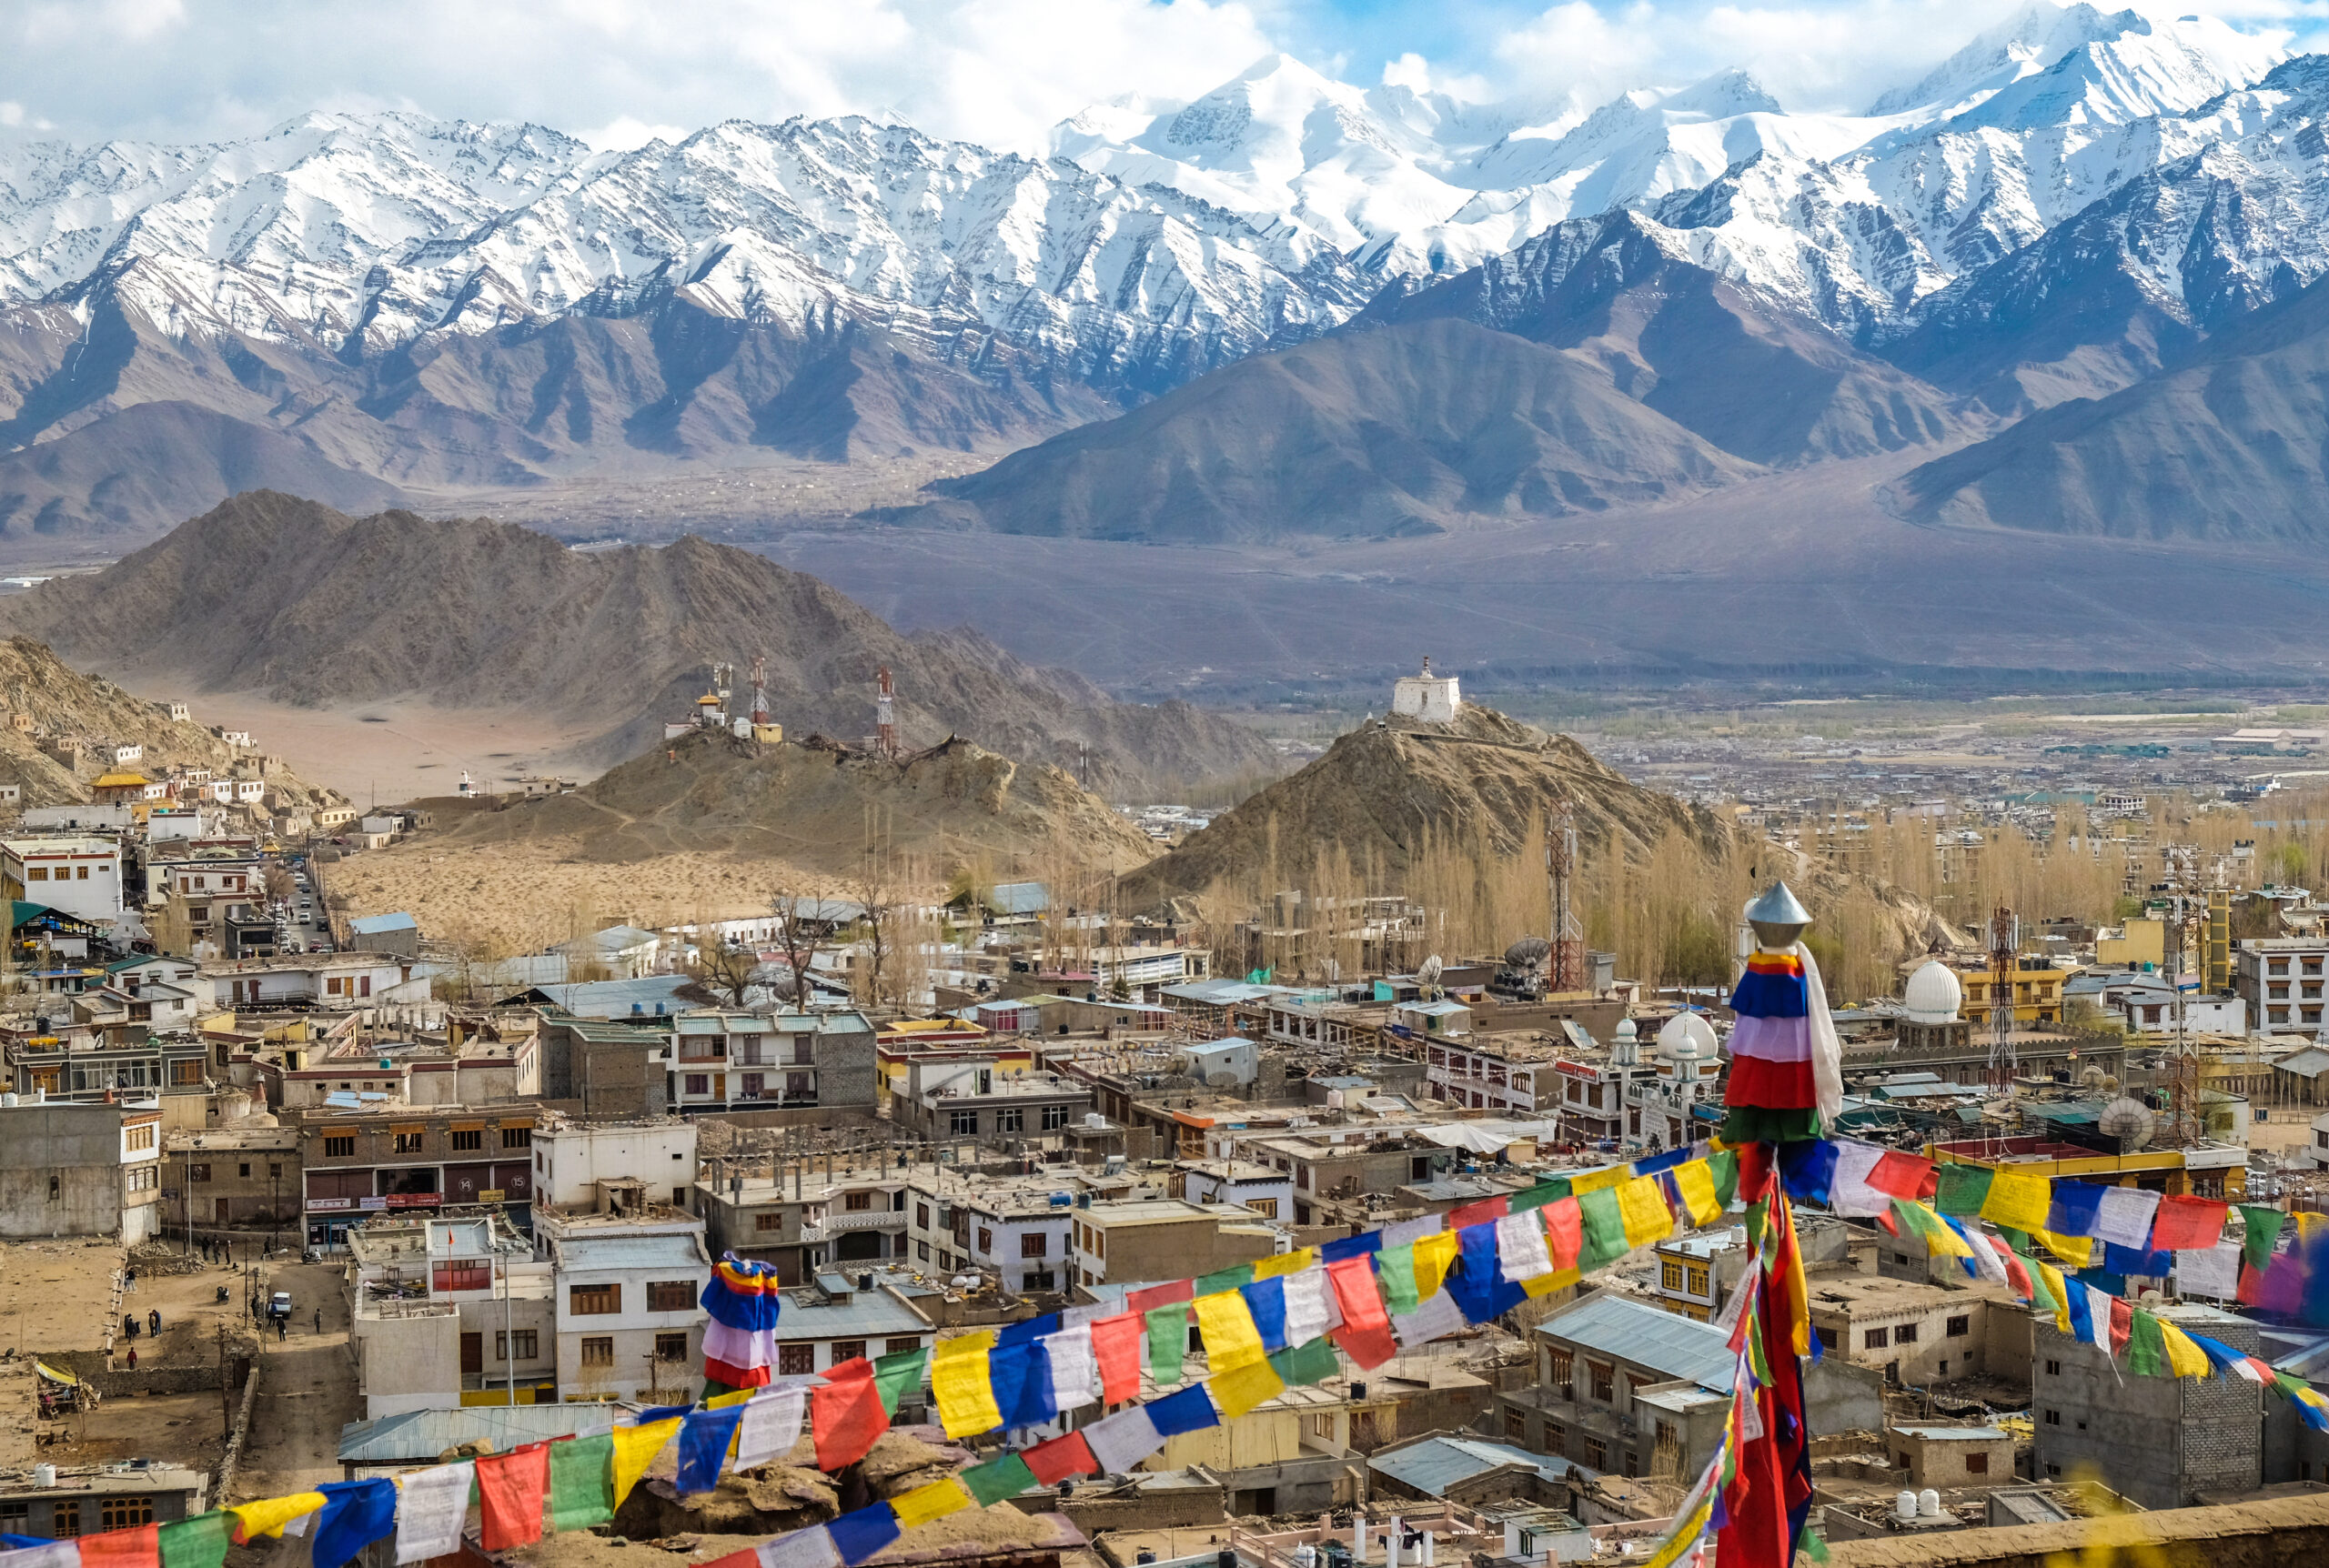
998	71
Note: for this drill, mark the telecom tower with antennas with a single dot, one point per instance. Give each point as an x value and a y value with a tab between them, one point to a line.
760	691
2006	946
885	716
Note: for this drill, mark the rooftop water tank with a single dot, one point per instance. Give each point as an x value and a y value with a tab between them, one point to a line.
1927	1503
1904	1507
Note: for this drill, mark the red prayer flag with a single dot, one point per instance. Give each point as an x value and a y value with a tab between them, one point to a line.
1564	1232
137	1548
2187	1224
2122	1324
1116	1345
845	1415
1060	1459
1161	1295
509	1488
1366	1335
1898	1175
1486	1212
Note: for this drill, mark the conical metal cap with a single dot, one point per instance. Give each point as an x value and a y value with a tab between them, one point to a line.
1778	907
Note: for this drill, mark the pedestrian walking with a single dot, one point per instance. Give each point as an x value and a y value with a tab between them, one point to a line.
282	1328
154	1321
319	1319
133	1358
129	1325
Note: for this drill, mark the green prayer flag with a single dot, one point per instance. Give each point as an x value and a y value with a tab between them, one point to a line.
1723	1166
582	1481
1395	1271
1814	1547
2146	1346
1550	1190
893	1374
2017	1240
1225	1280
998	1480
1963	1189
1604	1229
1168	1341
196	1542
2041	1299
2263	1229
1309	1363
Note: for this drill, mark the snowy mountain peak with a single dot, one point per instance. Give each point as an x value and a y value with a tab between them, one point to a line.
2025	44
1721	95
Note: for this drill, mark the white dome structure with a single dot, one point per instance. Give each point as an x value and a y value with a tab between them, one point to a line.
1933	994
1627	1029
1687	1037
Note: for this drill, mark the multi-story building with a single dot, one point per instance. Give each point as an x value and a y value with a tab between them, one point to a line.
2158	1441
1014	1228
2280	979
607	1067
1623	1387
2037	989
1260	1188
628	1274
1510	1074
1136	1240
446	1312
243	1177
401	1159
723	1060
1917	1333
77	873
1696	1273
805	1217
328	980
80	1169
944	1100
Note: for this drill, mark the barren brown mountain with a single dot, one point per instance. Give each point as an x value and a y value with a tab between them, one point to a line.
271	594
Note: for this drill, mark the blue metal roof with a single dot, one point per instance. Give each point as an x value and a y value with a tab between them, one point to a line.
420	1436
1435	1464
619	998
1020	898
865	1315
1625	1330
372	925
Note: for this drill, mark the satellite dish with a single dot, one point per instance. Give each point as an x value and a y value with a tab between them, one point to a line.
1430	973
2128	1120
1527	953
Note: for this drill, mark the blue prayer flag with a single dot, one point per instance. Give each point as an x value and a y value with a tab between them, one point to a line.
1266	1299
1021	1375
354	1515
1191	1410
858	1535
704	1437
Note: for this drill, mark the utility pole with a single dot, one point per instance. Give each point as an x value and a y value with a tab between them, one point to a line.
508	1320
225	1388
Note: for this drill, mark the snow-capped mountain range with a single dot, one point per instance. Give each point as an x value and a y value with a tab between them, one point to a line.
310	276
1273	207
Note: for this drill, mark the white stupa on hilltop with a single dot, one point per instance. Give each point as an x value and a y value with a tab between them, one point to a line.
1432	698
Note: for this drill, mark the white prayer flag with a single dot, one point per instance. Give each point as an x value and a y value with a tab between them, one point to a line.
431	1506
2124	1217
769	1427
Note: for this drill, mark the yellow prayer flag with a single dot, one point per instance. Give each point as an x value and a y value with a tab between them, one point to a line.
1642	1206
2061	1292
1240	1388
936	1500
1284	1264
2018	1201
1594	1181
1435	1254
964	1383
636	1448
1546	1284
1939	1238
736	1396
1696	1183
2184	1357
1231	1339
2078	1251
270	1515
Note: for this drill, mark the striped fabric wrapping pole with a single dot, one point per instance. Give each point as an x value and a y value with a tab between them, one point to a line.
739	1342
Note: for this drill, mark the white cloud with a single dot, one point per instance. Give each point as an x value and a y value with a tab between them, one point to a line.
622	134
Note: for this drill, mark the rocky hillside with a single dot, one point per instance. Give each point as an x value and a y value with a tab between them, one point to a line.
271	594
62	702
1415	429
1382	789
807	805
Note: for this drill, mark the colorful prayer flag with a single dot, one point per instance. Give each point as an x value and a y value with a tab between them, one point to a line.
509	1488
1000	1480
959	1376
1168	1342
935	1501
864	1534
431	1506
1060	1459
705	1435
581	1481
1115	1346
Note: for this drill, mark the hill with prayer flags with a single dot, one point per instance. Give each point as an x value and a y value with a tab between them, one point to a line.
1299	1317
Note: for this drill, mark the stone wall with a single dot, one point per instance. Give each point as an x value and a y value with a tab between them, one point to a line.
2285	1532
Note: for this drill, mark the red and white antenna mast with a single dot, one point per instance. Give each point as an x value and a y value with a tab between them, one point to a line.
760	690
885	717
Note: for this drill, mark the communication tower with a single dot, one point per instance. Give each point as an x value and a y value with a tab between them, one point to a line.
2005	944
760	691
1565	964
885	717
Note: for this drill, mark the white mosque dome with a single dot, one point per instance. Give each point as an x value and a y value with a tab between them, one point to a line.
1933	994
1627	1029
1688	1036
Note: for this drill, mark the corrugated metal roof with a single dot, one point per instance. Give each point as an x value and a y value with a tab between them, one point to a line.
418	1436
1953	1434
371	925
1020	898
864	1315
1628	1330
1435	1464
619	997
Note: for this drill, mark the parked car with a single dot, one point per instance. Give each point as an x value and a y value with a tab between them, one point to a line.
279	1306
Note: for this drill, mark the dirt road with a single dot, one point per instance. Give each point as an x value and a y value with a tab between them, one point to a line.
306	1392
